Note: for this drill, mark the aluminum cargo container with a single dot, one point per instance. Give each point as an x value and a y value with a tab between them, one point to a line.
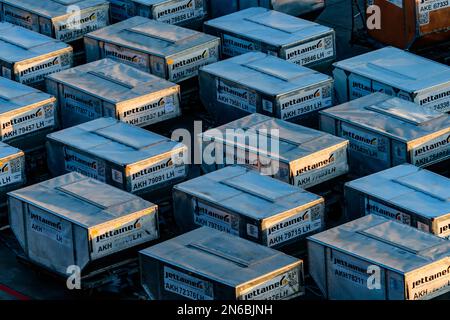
289	152
407	194
120	154
188	13
396	73
258	29
207	264
242	202
56	18
384	132
257	82
27	115
113	89
350	261
12	169
75	220
27	57
220	8
406	23
167	51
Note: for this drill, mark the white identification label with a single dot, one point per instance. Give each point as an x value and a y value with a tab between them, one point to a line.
76	162
312	51
148	113
443	228
439	101
187	286
425	7
50	226
319	168
280	287
178	11
205	215
187	66
232	46
429	282
10	172
77	25
431	151
29	73
155	174
348	270
305	102
236	97
359	86
133	58
120	235
80	104
26	122
20	17
377	208
294	227
369	144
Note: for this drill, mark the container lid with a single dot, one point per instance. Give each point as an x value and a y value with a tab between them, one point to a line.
20	44
395	117
269	26
384	242
416	190
266	73
115	141
7	151
82	200
14	95
248	193
220	256
111	81
397	68
53	8
295	141
151	36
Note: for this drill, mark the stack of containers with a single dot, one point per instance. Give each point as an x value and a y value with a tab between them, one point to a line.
67	20
407	194
74	220
187	13
207	264
396	73
244	203
374	258
27	57
107	88
291	153
119	154
384	132
27	115
258	29
257	82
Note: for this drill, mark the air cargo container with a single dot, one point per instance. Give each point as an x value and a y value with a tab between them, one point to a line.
258	29
220	8
384	132
242	202
167	51
119	154
407	194
75	220
66	20
206	264
374	258
289	152
257	82
27	57
27	115
396	73
12	169
408	23
107	88
187	13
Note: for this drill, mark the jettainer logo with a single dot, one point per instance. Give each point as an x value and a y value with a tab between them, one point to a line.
433	146
315	46
177	9
15	121
304	99
116	232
